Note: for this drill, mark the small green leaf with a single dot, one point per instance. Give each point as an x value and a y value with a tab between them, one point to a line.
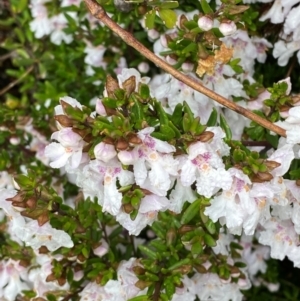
209	240
205	7
190	212
168	17
151	254
150	18
197	248
169	4
212	120
179	264
224	125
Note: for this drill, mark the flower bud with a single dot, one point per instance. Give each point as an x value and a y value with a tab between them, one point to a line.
64	120
206	136
205	23
122	144
43	218
227	28
104	152
143	67
100	109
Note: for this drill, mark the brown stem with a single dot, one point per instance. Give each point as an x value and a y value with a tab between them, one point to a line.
256	143
98	12
15	82
6	56
292	65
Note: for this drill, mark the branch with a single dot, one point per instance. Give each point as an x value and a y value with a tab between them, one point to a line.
15	82
98	12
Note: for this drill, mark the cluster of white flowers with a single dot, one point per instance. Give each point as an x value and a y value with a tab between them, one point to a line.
267	211
285	12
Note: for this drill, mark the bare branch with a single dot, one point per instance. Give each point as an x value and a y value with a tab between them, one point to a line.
15	82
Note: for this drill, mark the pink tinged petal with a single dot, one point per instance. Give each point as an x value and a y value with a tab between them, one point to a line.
196	149
76	159
205	23
140	172
159	178
188	173
227	28
127	157
126	177
163	147
100	109
153	203
112	197
104	152
102	249
284	156
136	226
57	154
179	196
68	138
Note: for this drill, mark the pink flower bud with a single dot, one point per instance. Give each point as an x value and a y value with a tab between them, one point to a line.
227	28
187	67
153	34
104	152
143	67
100	108
102	249
205	23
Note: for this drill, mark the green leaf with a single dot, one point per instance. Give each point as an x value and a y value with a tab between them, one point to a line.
205	7
212	120
169	288
169	4
167	131
190	212
168	17
197	248
224	125
149	19
152	254
209	240
179	264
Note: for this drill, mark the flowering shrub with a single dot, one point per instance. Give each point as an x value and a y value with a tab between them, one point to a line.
124	179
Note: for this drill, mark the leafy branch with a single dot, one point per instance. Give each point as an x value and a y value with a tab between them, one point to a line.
98	12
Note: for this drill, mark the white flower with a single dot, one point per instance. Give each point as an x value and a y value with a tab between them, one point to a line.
59	22
12	279
154	168
36	236
127	277
149	207
69	147
99	179
94	55
205	166
280	236
179	195
292	125
39	272
284	51
112	291
276	13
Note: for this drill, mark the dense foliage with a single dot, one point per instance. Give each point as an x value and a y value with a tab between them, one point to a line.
118	182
